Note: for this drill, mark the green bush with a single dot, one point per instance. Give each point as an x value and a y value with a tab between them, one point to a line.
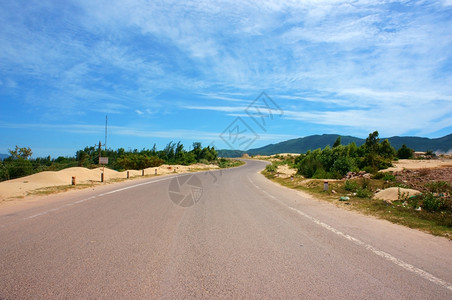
364	193
387	176
271	168
4	174
320	173
404	152
19	167
343	165
432	203
438	186
351	186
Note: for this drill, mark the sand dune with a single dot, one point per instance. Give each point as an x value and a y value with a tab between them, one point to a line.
23	186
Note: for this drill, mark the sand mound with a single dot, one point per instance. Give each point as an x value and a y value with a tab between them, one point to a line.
414	164
22	186
284	171
392	194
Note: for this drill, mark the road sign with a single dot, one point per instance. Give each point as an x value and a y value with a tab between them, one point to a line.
103	160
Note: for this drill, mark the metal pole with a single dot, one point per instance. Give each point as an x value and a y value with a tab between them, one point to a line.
106	124
100	146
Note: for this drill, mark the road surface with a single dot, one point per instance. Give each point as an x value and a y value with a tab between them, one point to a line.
229	234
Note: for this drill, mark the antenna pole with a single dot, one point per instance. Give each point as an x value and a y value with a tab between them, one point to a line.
106	124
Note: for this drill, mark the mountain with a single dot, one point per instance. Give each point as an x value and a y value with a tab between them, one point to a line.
302	145
442	144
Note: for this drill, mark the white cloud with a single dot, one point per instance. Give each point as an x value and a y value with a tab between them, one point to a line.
333	63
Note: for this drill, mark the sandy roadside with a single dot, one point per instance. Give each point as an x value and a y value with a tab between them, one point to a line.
22	187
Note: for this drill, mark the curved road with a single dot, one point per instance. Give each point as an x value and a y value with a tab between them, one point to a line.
229	234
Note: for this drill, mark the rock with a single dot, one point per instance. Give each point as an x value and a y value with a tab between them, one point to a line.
333	191
419	208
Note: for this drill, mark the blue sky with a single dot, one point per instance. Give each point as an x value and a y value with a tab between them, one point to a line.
194	71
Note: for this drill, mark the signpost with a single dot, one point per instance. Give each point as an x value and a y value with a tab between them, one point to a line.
103	160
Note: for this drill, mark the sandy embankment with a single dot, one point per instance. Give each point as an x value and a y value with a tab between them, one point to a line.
415	164
23	186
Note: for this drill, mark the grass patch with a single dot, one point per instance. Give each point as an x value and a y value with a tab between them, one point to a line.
58	189
229	163
360	191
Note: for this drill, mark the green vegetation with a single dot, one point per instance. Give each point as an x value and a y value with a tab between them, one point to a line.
335	162
19	163
404	152
229	163
430	211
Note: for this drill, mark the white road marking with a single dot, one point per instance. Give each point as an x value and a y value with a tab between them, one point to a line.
368	247
93	197
43	213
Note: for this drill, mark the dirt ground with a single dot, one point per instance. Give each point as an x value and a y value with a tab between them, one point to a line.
417	178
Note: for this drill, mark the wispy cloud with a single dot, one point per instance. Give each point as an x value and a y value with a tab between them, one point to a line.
352	64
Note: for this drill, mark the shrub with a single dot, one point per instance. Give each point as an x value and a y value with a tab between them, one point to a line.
343	165
4	174
384	176
364	193
320	173
270	168
365	183
351	186
19	168
404	152
432	203
438	186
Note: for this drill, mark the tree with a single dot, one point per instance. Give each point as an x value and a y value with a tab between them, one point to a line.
19	167
179	153
23	152
386	150
197	149
168	152
337	142
372	142
404	152
81	156
4	174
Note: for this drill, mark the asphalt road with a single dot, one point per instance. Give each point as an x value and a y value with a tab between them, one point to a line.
235	236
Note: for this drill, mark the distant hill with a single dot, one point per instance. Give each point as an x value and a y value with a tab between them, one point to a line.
3	156
302	145
442	144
